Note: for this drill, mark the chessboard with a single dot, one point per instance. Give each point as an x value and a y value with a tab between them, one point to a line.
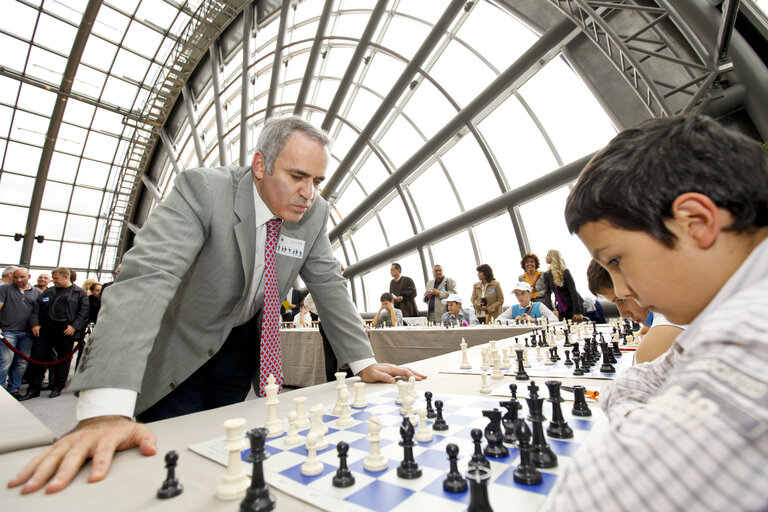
384	490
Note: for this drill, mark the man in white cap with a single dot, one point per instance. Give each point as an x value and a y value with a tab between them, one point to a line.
527	310
456	315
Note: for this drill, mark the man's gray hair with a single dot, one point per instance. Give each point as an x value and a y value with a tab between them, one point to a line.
276	132
8	271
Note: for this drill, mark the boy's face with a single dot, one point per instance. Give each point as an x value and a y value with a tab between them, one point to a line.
642	268
628	308
386	303
523	297
453	307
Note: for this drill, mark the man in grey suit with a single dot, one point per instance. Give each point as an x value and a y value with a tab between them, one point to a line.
438	289
179	330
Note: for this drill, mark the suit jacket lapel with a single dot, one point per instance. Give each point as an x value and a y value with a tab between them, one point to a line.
245	230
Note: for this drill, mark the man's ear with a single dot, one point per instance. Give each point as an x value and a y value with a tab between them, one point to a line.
259	166
696	216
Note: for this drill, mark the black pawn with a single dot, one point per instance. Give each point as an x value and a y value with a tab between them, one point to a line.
408	468
478	489
568	361
616	349
257	497
478	458
557	427
520	375
580	407
555	357
509	420
606	367
576	368
525	473
171	486
454	482
343	476
430	410
440	424
495	447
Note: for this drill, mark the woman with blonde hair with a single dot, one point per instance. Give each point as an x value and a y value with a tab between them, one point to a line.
568	302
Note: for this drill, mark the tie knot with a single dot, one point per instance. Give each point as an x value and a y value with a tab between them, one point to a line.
273	226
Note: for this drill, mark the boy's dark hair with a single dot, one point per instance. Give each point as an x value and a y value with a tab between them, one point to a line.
598	279
387	296
486	269
634	180
529	256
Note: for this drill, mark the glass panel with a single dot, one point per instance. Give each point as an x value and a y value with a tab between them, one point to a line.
63	167
351	24
51	224
458	261
429	109
78	113
46	254
99	53
381	73
396	221
405	36
143	40
156	11
92	173
376	283
14	219
400	141
45	65
56	196
470	172
363	108
499	249
75	255
349	199
100	147
451	70
10	250
5	120
71	139
427	11
80	229
119	92
110	23
372	173
17	19
36	99
22	158
29	128
16	189
14	52
368	239
433	196
52	33
88	81
86	201
130	65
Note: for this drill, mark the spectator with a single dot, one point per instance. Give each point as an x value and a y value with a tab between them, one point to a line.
8	274
117	273
94	302
404	290
43	281
304	318
437	289
456	314
534	277
87	284
560	282
387	312
487	296
526	310
18	301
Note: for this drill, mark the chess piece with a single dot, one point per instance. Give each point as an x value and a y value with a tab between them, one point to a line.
407	408
343	476
558	427
520	375
606	367
424	433
478	458
302	418
577	371
525	473
257	497
340	385
541	455
580	407
317	426
235	481
400	391
478	477
616	349
345	417
430	410
273	425
292	438
485	388
171	486
374	461
454	482
312	466
408	468
505	362
360	401
526	363
495	447
412	388
496	373
509	421
440	424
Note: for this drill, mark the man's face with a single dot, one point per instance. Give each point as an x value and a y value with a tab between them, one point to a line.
43	280
453	307
60	281
530	265
437	272
628	308
297	173
642	268
523	297
394	272
20	278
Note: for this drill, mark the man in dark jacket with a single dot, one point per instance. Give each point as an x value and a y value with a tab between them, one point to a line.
404	290
60	321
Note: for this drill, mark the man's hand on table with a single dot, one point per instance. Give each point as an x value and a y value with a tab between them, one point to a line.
383	372
95	438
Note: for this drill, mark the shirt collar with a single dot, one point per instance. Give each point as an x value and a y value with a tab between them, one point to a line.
262	211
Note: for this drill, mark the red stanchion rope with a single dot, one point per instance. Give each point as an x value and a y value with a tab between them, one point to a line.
33	361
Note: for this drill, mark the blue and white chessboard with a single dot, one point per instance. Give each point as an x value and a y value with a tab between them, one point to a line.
385	491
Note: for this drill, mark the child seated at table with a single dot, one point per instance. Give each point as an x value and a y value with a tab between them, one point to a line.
526	310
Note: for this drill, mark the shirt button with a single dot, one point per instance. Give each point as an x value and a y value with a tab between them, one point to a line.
211	352
173	385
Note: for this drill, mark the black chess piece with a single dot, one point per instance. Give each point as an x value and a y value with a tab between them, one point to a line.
616	349
606	367
509	420
521	374
478	458
430	410
495	447
580	407
555	357
440	424
557	427
478	477
567	342
171	486
568	361
525	473
343	476
576	368
541	455
257	496
408	468
454	482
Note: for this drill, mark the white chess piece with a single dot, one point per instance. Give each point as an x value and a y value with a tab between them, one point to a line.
465	364
317	426
424	433
485	366
538	353
360	401
407	408
302	418
235	481
484	389
273	425
526	363
412	387
400	391
340	384
496	374
312	466
345	418
292	438
505	362
374	461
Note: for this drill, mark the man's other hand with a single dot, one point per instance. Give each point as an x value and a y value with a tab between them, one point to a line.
97	439
383	372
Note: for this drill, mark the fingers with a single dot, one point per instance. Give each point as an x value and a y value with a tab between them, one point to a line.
71	463
45	466
29	469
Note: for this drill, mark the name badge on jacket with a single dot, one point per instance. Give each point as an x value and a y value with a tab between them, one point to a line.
292	247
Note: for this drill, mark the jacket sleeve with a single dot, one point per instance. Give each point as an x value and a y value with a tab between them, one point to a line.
575	298
494	309
476	297
408	291
81	320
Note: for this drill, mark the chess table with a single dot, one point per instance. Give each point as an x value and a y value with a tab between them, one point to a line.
134	479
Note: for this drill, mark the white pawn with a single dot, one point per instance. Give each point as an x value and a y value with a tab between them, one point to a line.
318	427
424	434
526	363
345	418
235	481
465	365
505	362
496	374
273	425
485	389
538	353
374	461
360	401
340	384
400	391
302	418
406	409
312	466
412	387
292	438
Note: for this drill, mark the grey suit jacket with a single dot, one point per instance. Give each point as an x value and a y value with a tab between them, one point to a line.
187	278
447	287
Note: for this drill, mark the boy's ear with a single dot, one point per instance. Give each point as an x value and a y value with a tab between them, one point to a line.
698	217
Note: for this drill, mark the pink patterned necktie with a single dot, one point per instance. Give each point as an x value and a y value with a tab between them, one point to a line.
270	323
